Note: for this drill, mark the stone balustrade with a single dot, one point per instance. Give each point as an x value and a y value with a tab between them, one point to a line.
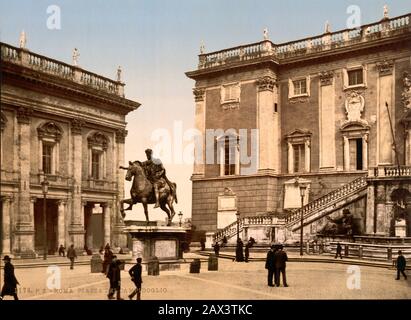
60	69
327	200
231	229
328	41
390	171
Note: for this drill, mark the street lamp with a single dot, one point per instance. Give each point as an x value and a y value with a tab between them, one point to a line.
45	189
238	225
180	216
303	187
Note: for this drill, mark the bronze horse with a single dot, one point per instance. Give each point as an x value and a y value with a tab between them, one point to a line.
142	191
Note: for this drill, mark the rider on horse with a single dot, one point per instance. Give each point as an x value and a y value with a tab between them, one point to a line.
155	171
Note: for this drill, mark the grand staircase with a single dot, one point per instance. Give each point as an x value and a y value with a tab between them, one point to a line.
327	204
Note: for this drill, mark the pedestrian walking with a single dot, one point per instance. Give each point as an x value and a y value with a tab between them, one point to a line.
135	274
108	257
10	280
217	249
72	255
401	264
270	265
114	275
338	251
239	255
62	251
280	258
202	244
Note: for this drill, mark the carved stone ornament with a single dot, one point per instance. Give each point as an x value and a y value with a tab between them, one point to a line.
198	94
295	100
99	140
76	125
266	83
227	192
121	135
24	115
406	92
354	106
230	105
385	67
326	78
49	130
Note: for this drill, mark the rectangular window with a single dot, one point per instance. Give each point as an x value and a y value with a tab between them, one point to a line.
229	157
47	157
355	77
299	157
300	87
231	92
95	165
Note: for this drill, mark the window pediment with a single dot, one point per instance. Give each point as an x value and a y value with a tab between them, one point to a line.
50	130
298	136
98	140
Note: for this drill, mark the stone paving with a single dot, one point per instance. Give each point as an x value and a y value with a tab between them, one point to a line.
234	280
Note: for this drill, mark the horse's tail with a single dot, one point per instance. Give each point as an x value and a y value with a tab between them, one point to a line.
175	192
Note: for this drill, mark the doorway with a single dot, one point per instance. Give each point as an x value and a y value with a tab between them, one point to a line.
51	225
94	226
356	156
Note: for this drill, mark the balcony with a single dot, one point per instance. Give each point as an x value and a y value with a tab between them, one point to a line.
60	69
320	44
54	179
100	185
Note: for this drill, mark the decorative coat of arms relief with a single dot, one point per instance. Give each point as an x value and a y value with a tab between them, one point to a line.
354	107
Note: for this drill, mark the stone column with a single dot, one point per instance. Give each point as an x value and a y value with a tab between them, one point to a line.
119	237
61	221
370	210
6	226
327	121
76	230
107	221
199	151
385	95
267	124
24	228
346	154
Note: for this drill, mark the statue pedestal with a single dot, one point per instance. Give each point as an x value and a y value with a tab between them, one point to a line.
163	242
400	228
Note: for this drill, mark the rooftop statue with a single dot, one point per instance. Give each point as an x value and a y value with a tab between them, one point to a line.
22	40
119	74
150	186
265	33
76	54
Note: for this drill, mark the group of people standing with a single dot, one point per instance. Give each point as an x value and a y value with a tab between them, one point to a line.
276	264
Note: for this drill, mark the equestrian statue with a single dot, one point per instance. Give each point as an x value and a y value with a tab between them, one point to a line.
150	186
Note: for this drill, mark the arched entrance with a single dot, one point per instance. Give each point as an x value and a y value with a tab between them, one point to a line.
401	199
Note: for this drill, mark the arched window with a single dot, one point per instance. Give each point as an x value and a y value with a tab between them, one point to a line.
97	145
49	136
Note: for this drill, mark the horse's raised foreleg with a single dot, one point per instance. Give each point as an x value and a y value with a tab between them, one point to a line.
129	202
170	201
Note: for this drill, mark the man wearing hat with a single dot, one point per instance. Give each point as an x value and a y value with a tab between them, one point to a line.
10	281
270	265
135	274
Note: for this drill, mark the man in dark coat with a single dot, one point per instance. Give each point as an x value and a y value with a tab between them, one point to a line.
338	251
10	280
135	274
71	254
270	265
280	258
401	264
108	257
114	276
217	249
62	251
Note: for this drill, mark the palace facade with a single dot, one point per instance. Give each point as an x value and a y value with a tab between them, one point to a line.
331	112
66	125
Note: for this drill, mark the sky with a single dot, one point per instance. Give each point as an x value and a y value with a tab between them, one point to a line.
157	41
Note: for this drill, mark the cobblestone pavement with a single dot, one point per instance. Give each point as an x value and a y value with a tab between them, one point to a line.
233	281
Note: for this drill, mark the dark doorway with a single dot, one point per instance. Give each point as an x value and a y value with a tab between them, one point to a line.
51	218
94	226
359	154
